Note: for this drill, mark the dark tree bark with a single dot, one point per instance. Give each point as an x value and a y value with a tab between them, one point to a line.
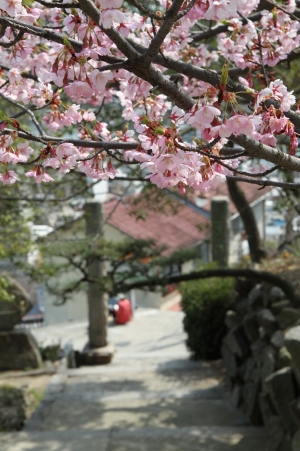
237	196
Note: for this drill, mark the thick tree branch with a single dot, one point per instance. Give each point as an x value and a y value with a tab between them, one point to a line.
259	150
163	31
89	8
262	276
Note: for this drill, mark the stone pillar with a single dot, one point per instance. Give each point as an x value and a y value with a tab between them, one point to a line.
97	351
220	229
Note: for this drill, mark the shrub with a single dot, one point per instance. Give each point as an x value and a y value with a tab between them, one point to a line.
205	303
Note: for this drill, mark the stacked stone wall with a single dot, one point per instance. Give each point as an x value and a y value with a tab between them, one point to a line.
261	352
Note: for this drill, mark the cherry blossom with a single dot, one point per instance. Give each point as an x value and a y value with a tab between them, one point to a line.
100	77
11	7
9	177
110	17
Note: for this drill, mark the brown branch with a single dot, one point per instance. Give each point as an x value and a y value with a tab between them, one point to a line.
264	183
214	31
249	174
186	10
17	39
164	30
58	4
223	272
275	5
77	142
89	8
26	110
146	11
262	151
45	34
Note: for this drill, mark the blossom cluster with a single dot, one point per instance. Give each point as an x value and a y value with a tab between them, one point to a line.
65	83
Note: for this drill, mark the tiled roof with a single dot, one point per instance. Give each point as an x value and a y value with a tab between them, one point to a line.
177	231
252	193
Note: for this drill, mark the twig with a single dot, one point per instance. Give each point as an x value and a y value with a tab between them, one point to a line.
146	11
163	31
27	111
18	38
58	4
186	10
264	183
250	174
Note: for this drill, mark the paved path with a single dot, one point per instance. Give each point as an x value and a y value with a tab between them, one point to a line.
152	397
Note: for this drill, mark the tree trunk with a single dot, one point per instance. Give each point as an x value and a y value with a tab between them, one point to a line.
238	198
220	230
97	300
289	229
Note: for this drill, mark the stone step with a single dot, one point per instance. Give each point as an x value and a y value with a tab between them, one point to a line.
142	381
145	439
74	414
141	364
132	395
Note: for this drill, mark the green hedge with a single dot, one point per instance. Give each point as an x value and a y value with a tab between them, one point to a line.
205	303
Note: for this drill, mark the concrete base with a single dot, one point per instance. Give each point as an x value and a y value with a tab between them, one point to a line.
97	356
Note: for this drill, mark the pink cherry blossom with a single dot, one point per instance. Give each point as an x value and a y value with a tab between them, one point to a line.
99	79
202	118
9	177
79	89
66	150
109	17
11	7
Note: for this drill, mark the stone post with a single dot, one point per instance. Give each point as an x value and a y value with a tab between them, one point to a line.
220	229
97	351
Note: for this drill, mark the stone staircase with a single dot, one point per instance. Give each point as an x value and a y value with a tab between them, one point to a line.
152	397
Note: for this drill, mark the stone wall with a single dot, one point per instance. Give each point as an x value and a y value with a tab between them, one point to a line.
261	352
12	409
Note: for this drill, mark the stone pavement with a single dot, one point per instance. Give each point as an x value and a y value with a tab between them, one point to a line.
152	397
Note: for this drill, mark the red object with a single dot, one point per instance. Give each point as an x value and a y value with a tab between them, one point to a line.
124	313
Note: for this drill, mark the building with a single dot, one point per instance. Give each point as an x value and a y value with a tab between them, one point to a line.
179	224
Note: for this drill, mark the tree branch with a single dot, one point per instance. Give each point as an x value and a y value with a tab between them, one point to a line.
18	38
222	272
146	11
264	183
214	31
113	145
186	10
46	34
89	8
58	4
27	111
259	150
157	41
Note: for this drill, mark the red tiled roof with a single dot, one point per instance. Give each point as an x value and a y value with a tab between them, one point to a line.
252	193
176	231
